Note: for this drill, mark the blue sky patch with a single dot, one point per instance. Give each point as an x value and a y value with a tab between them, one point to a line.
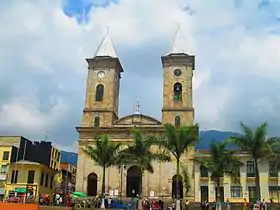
80	8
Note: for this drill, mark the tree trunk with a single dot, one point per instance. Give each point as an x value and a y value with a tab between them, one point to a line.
103	180
103	189
218	198
140	183
178	202
139	202
257	180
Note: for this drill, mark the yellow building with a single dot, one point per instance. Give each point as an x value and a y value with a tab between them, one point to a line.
205	189
30	178
55	158
15	141
7	155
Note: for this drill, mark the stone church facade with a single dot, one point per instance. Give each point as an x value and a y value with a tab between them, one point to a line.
100	116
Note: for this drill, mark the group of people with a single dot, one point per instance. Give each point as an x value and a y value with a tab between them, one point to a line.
260	205
155	204
205	205
55	199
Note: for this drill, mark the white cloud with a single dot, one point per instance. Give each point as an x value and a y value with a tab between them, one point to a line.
48	43
23	113
262	52
45	42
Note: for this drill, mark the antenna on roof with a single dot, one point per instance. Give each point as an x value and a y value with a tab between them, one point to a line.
46	136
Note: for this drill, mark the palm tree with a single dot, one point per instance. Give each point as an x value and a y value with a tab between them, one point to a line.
259	147
176	142
220	162
105	153
140	153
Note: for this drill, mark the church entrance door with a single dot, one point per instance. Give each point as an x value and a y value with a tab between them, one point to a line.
92	185
174	186
133	181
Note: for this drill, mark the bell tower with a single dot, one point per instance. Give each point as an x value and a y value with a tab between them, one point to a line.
178	68
103	84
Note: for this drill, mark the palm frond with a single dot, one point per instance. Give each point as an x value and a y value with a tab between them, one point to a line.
178	140
104	152
220	161
141	153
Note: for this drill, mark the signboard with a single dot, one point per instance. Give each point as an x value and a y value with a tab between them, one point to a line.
31	189
111	192
2	191
3	177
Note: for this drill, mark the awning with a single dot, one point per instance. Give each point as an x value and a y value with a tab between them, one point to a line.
21	190
78	194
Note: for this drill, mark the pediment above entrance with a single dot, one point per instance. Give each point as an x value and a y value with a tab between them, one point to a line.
137	120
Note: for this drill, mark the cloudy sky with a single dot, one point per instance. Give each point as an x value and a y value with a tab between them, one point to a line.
43	46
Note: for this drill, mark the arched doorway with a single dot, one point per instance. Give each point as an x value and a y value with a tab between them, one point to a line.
133	181
92	185
174	186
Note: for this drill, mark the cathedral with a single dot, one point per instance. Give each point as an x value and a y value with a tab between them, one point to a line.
100	116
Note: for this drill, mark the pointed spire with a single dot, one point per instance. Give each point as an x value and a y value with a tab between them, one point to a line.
179	45
106	47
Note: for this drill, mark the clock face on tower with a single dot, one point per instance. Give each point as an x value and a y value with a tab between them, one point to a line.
101	74
177	72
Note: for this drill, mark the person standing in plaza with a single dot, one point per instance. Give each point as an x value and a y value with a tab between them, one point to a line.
227	204
245	204
187	205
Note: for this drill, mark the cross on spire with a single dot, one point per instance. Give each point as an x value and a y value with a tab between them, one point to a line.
137	108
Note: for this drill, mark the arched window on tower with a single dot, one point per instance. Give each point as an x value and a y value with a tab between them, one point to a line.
177	121
96	122
99	92
177	91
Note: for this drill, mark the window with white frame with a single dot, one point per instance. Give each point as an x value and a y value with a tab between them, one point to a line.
236	191
4	169
250	169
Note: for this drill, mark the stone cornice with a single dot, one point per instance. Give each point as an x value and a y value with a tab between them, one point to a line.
118	130
178	109
100	62
178	59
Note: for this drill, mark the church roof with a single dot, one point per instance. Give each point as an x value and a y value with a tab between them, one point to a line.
106	48
179	45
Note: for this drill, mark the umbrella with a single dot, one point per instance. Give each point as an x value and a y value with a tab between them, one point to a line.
73	196
78	194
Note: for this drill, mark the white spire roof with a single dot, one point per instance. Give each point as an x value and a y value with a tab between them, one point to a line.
106	48
179	45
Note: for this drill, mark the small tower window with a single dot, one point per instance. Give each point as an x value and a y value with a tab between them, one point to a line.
96	122
177	91
99	92
177	121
